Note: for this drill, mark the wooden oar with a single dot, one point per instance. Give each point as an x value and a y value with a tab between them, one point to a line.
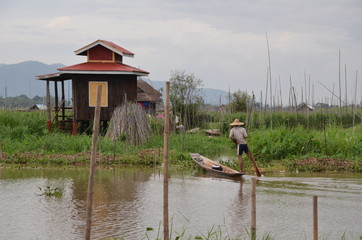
254	163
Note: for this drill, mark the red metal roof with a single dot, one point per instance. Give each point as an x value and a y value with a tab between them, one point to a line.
110	45
103	67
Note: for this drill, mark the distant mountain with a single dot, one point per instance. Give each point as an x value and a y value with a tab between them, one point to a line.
19	79
211	96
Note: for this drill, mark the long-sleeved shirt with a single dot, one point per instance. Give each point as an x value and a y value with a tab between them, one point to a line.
239	135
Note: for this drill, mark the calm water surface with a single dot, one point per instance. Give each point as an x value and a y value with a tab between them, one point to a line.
128	200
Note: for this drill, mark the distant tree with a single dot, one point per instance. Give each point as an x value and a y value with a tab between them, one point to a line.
23	102
37	99
322	105
185	96
239	101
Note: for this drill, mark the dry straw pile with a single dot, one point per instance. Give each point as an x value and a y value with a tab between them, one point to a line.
129	120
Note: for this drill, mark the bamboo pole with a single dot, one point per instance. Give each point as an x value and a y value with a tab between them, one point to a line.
315	218
305	88
309	98
355	101
251	157
280	94
332	102
340	88
290	94
266	89
92	168
166	132
270	82
339	99
345	88
253	209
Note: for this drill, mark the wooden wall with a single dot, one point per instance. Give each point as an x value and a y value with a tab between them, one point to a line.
100	53
118	85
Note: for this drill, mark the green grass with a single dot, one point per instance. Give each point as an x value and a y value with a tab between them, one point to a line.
25	139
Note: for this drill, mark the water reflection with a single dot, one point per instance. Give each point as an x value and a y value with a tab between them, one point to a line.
129	200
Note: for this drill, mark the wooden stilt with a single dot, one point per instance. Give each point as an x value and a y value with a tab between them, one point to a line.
63	100
75	127
56	101
49	110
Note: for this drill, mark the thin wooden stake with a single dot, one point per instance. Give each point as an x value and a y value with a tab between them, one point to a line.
253	209
93	163
166	132
315	218
1	149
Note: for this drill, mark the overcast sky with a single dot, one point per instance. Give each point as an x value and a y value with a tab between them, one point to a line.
223	42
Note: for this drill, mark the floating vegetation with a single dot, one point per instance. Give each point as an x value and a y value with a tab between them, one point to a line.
51	192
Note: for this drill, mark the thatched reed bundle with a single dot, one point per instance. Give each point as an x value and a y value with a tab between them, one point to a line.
129	120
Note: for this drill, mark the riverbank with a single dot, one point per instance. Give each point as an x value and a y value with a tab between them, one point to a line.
154	158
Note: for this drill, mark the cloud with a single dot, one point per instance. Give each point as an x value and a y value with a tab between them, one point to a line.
58	21
222	42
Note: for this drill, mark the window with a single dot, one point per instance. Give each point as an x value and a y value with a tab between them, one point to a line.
93	86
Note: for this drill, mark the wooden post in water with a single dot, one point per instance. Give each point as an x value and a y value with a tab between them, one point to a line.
315	218
166	131
253	209
49	110
1	149
93	162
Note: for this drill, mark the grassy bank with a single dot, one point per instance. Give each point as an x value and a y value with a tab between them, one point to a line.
25	141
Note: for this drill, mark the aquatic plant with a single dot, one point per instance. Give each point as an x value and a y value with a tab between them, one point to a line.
51	192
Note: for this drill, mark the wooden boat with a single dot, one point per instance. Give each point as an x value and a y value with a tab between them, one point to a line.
212	132
214	167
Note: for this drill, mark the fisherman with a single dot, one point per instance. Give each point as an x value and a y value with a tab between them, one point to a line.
238	135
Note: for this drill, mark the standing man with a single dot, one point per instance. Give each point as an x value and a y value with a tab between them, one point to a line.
238	135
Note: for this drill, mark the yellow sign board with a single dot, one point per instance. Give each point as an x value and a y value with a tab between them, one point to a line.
93	86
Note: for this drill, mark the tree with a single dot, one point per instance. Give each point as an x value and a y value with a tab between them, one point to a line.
239	101
185	96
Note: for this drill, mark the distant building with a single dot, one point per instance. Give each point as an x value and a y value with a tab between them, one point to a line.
305	108
147	96
41	107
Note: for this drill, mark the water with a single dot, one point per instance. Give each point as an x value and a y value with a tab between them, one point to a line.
128	201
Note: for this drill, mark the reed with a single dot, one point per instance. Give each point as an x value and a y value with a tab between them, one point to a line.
25	140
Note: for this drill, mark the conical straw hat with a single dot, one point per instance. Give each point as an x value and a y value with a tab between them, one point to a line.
236	123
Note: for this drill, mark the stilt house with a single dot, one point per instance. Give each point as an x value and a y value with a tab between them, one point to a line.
305	108
104	66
